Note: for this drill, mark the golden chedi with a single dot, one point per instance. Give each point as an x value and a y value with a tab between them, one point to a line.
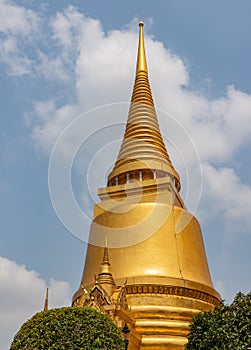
156	250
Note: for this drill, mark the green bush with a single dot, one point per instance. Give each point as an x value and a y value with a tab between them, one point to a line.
68	328
228	327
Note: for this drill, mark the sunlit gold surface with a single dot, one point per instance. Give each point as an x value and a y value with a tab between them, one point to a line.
142	147
105	277
156	249
141	59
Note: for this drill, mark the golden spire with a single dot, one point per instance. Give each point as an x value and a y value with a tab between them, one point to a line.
105	278
46	300
141	61
143	153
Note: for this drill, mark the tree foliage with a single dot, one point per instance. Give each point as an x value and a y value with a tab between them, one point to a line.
68	328
227	327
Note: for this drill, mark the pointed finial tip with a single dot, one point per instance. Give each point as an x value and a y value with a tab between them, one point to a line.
141	24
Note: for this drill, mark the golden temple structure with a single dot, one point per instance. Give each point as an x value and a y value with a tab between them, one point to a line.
146	264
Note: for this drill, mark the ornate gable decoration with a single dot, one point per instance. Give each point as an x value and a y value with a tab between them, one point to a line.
119	298
95	297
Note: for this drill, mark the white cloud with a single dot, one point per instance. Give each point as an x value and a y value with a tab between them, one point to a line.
101	67
103	72
220	130
50	123
51	68
24	41
18	26
105	66
25	20
22	294
18	63
67	27
228	196
60	293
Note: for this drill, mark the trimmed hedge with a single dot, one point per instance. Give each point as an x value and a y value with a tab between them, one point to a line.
68	328
228	327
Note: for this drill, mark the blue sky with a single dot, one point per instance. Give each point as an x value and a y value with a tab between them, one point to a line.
59	60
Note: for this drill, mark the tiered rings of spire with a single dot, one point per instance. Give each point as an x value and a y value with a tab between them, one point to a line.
143	154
